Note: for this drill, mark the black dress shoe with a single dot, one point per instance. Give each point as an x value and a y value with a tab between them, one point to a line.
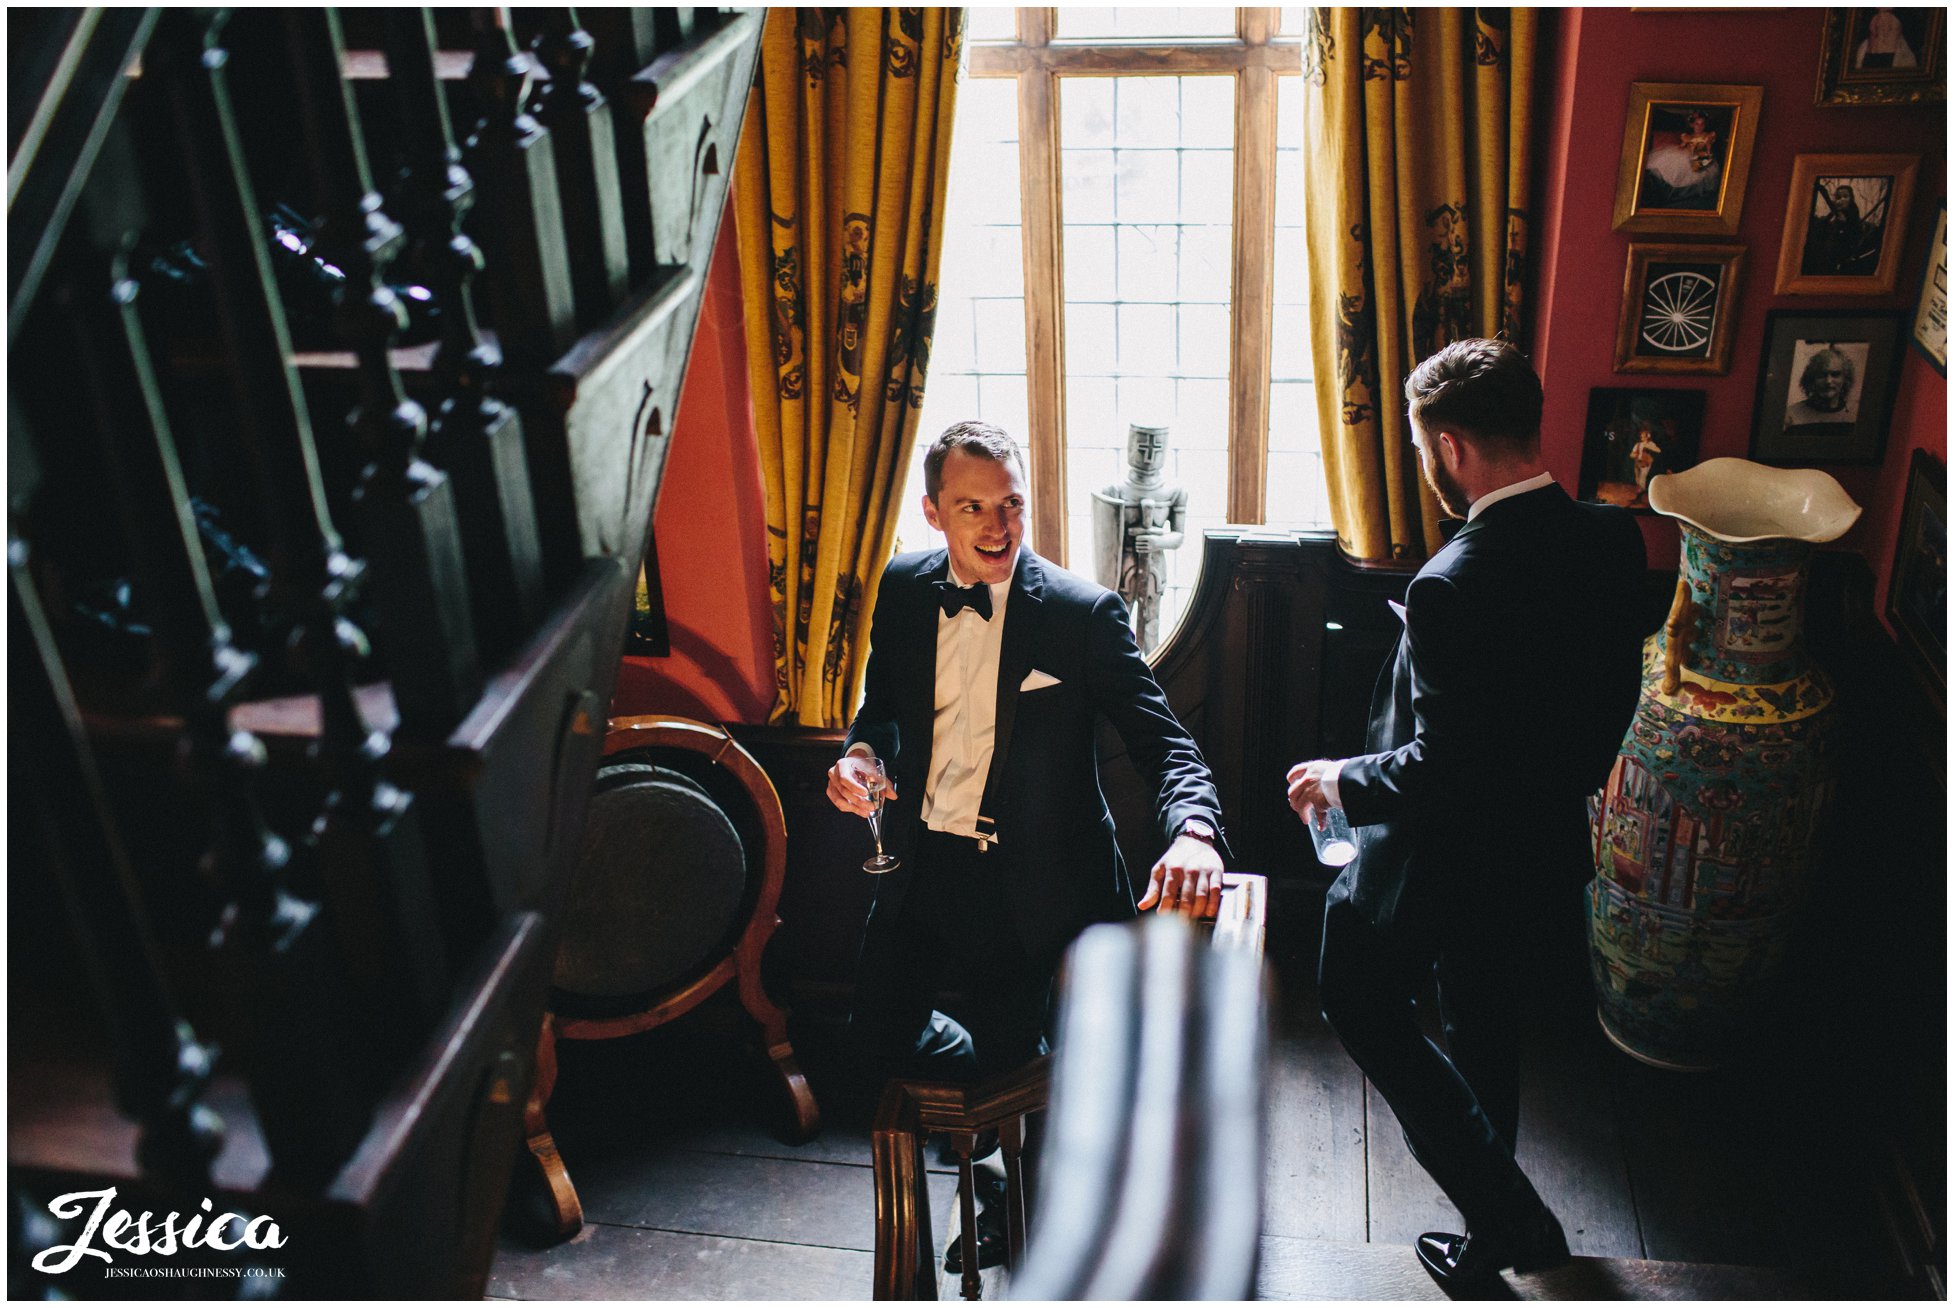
990	1243
1465	1260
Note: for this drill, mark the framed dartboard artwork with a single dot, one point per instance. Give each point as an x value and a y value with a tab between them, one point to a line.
1679	308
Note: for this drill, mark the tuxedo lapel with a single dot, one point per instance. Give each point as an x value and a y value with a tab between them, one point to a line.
1022	613
918	711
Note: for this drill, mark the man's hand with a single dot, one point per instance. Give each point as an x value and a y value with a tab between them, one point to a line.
848	785
1187	879
1306	789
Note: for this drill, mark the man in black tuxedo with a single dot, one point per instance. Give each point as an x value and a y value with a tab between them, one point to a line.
1513	682
988	671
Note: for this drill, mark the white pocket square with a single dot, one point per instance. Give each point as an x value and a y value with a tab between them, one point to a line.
1037	680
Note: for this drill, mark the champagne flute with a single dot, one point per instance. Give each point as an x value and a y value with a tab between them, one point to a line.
877	781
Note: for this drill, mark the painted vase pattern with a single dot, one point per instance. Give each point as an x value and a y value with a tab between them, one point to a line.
1705	835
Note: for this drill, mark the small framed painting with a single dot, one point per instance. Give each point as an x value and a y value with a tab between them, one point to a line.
1883	56
1686	158
1634	434
1930	313
1679	308
1916	601
1845	227
1825	389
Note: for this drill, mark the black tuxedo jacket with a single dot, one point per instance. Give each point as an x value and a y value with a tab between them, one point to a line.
1513	683
1055	837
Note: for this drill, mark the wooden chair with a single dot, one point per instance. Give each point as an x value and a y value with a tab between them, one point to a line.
1109	1075
702	777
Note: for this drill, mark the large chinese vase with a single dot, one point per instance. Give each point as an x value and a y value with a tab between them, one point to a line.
1706	834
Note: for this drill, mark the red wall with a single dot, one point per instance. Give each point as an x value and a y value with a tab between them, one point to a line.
1596	54
712	535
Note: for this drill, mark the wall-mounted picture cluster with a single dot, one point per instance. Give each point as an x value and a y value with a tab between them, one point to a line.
1685	165
1826	380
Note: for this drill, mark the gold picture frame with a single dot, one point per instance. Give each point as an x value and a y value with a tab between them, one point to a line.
1679	308
1860	65
1685	162
1845	223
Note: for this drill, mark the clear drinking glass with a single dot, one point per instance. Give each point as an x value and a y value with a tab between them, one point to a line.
1330	829
877	781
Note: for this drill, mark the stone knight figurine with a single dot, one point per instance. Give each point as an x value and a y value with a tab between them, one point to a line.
1134	524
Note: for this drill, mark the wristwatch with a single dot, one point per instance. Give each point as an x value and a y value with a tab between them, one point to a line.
1198	829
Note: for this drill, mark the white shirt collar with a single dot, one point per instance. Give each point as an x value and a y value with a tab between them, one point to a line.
1539	482
997	587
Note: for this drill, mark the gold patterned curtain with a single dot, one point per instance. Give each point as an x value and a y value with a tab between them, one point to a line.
1418	123
838	199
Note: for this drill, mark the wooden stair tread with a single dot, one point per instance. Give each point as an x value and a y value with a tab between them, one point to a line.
1295	1269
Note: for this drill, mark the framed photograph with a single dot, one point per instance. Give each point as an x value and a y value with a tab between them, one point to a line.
1634	434
1686	157
1883	56
1845	227
1930	314
1825	388
1916	602
1679	308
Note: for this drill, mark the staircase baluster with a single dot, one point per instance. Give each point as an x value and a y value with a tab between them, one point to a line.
579	120
368	846
526	283
476	437
406	506
162	1068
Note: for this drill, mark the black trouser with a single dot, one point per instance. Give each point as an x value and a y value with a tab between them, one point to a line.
1460	1112
955	926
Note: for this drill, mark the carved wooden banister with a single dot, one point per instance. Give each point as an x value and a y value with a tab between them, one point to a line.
313	885
1151	1013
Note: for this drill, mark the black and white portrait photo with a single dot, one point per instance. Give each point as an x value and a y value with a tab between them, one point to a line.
1847	227
1889	38
1825	391
1825	382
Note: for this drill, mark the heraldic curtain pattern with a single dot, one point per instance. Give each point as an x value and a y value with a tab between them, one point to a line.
1418	123
838	198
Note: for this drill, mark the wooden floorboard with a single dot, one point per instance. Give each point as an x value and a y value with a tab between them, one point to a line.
620	1262
1313	1182
1336	1270
1571	1144
1719	1186
1404	1200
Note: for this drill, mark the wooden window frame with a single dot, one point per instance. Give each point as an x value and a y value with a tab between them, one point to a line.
1038	57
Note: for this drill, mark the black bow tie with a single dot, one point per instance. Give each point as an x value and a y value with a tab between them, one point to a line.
954	597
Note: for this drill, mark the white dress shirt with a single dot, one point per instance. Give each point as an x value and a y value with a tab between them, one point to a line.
1537	482
964	735
965	731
